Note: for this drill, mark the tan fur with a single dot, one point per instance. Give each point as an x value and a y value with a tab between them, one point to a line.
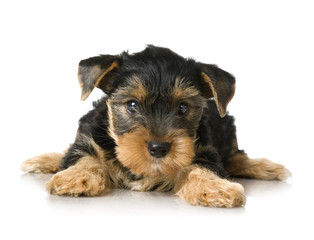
114	65
45	163
98	73
100	153
110	122
203	187
221	109
136	90
209	82
180	92
139	91
132	152
87	177
121	180
261	168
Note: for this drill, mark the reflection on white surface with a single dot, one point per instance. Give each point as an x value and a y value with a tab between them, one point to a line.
118	201
126	202
153	215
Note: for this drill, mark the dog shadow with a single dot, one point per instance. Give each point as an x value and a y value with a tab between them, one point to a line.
133	202
263	188
35	179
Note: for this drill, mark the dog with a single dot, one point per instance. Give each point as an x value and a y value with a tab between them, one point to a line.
162	125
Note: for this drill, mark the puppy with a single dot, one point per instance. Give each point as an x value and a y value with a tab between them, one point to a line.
161	126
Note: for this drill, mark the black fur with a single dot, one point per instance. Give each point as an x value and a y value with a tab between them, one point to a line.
220	133
78	149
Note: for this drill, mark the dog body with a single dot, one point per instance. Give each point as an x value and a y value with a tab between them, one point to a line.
161	126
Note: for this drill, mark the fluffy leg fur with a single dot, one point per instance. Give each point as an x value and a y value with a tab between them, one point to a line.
80	170
45	163
240	165
203	187
87	177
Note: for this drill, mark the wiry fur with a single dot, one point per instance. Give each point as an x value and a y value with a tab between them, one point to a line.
111	147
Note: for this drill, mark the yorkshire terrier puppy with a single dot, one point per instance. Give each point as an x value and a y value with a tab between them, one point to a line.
161	126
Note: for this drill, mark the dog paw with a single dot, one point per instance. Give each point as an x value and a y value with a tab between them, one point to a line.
283	174
45	163
265	169
212	192
76	182
257	168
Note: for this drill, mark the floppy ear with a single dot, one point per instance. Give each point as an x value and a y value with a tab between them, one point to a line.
97	72
218	84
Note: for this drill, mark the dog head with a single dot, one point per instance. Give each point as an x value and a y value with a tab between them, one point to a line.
155	101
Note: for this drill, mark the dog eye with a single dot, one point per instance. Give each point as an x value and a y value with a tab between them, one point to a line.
183	109
131	107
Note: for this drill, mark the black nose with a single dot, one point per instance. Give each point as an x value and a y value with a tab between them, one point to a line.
158	149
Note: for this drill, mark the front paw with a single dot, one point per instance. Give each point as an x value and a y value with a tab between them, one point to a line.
199	190
265	169
75	182
45	163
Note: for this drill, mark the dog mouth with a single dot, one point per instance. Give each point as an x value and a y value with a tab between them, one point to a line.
144	155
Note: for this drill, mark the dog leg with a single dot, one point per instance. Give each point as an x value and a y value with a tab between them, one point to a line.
202	187
87	177
240	165
83	170
45	163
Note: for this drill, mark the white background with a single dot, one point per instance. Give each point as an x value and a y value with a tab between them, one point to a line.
267	45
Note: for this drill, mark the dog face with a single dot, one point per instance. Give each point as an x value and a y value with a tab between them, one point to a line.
155	101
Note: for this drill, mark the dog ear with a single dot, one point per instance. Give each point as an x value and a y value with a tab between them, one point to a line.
97	72
218	84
